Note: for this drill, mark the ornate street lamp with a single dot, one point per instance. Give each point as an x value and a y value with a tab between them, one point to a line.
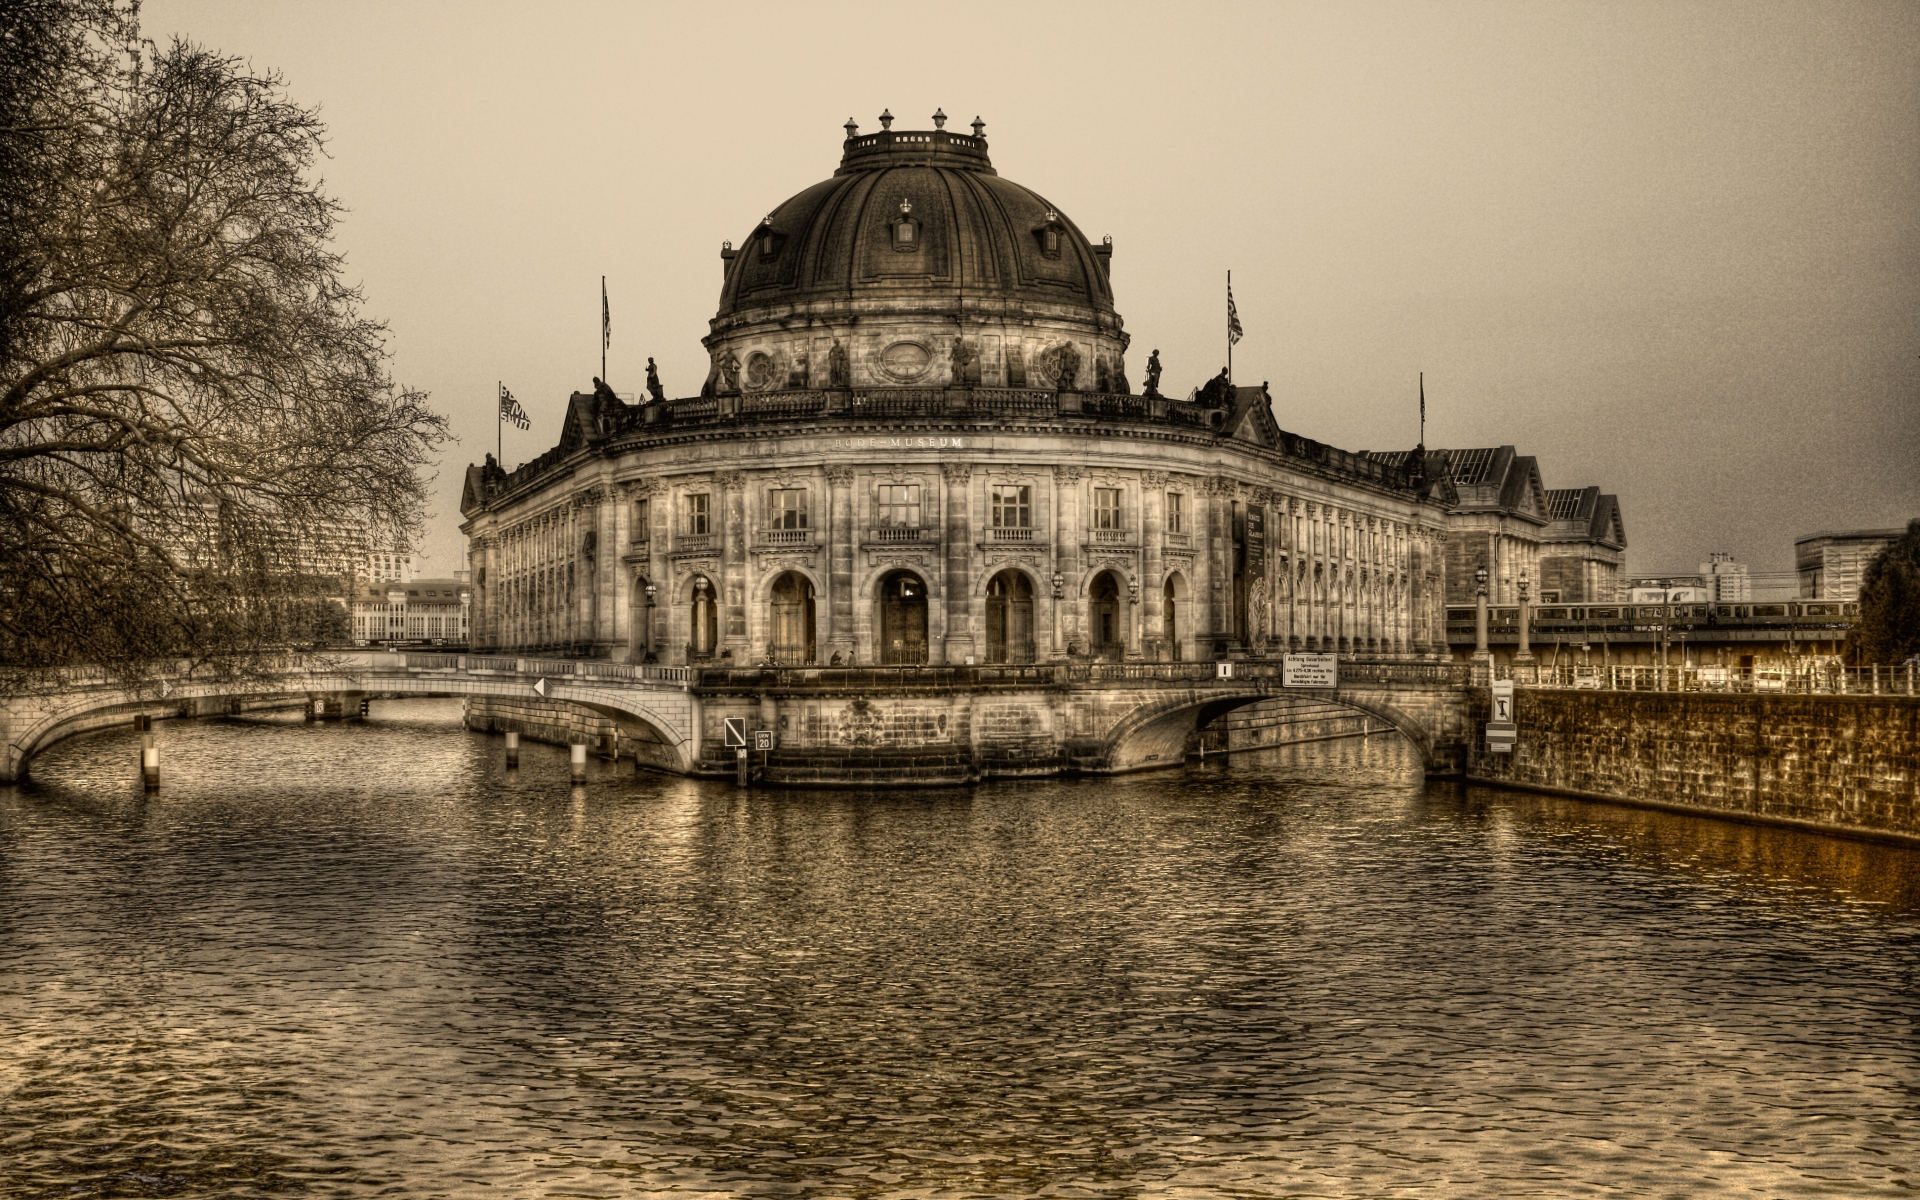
1525	654
650	589
1480	651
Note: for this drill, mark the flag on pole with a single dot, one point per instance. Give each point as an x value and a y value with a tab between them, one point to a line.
1233	317
510	409
606	317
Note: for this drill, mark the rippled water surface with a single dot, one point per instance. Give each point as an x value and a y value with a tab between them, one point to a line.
364	960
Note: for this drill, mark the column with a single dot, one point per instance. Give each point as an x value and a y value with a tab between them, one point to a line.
610	522
840	534
1153	496
959	551
733	566
1067	533
1219	558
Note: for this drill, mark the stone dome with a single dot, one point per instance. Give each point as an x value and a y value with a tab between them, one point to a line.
915	241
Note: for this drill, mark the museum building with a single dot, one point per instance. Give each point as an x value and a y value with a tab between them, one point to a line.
918	442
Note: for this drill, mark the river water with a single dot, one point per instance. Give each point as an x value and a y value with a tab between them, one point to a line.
365	960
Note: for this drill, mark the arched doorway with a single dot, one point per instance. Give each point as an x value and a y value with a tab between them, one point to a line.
1171	599
903	620
790	639
1010	618
640	623
703	626
1108	635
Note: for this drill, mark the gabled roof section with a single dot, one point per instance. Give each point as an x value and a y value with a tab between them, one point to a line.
1570	504
1523	492
473	493
1250	417
1608	526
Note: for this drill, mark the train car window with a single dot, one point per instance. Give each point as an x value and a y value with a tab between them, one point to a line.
1741	610
1769	610
1551	614
1506	614
1460	614
1852	610
1603	614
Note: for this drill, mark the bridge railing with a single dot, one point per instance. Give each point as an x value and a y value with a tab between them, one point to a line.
577	668
1809	680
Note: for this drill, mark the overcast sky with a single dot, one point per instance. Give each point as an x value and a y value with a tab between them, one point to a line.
1670	249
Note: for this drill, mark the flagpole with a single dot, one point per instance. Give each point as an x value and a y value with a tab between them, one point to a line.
1229	327
1423	408
500	422
603	328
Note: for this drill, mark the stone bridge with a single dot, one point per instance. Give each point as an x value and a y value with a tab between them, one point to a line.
872	725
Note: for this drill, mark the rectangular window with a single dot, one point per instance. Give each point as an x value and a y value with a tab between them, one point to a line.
1106	508
1176	512
642	519
697	515
1012	506
897	505
787	507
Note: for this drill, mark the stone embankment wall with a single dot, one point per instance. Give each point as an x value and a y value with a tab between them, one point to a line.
1285	721
563	724
1843	763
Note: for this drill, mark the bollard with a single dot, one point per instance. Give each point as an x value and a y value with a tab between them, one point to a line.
149	754
579	761
513	750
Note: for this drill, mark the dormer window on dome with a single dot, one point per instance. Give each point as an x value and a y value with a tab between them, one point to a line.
906	230
769	239
1051	235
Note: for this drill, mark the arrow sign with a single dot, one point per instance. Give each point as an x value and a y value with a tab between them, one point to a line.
165	687
540	685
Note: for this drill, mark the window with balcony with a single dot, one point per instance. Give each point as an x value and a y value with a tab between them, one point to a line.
1106	508
1176	512
787	508
642	519
699	516
1012	506
897	505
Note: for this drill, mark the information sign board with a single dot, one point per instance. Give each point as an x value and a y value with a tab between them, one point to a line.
736	728
1501	736
763	739
1256	540
1503	701
1310	671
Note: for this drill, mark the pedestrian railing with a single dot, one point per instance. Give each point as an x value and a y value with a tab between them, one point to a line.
1821	680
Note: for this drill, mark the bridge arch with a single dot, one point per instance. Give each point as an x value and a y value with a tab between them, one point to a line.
1155	735
671	715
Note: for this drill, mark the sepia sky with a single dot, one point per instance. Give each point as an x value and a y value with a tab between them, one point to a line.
1670	249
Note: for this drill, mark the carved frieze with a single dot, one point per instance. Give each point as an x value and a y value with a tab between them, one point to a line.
956	473
731	481
840	475
1153	479
1068	475
686	568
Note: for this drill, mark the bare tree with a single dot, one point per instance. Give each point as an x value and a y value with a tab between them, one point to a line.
195	414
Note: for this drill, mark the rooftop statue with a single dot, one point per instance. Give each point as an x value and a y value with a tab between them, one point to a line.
653	383
1217	392
838	375
1153	374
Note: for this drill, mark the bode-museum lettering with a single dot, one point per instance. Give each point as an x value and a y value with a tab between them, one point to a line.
872	475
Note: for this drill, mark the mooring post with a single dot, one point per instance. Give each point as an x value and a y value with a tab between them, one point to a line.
513	750
149	753
578	761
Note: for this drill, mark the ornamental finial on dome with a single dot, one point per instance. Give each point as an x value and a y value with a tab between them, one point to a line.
979	126
853	130
906	206
886	119
939	119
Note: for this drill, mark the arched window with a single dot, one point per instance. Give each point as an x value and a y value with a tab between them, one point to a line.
1010	618
790	639
1105	613
902	622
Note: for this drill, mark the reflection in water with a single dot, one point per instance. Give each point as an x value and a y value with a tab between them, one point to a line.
363	958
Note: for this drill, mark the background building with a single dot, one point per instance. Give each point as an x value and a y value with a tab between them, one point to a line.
1726	581
413	610
1831	564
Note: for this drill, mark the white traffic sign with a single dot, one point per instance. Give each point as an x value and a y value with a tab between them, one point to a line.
1310	671
540	686
1500	737
763	739
1503	701
736	729
1223	670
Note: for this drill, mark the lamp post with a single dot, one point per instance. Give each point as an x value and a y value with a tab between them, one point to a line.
1524	656
1059	589
651	589
1480	651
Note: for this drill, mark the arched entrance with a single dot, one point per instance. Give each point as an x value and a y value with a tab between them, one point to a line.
790	638
703	626
640	624
1104	612
1173	596
903	620
1010	618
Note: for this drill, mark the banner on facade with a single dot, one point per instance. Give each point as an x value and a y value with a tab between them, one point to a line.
1256	540
1310	671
